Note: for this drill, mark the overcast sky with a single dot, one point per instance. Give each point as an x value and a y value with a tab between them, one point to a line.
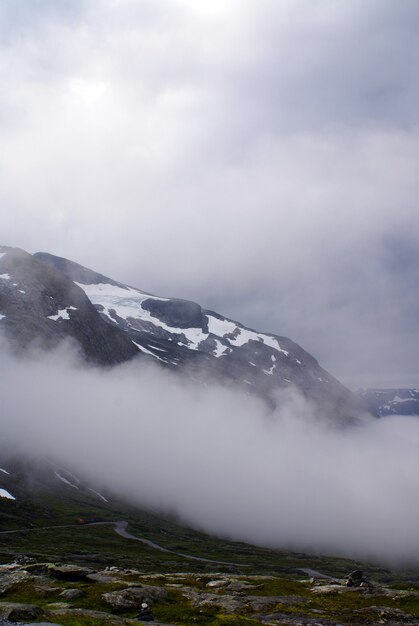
259	157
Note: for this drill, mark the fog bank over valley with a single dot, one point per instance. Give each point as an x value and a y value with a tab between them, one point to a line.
219	459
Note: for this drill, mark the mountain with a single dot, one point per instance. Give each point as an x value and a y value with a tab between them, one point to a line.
391	401
45	298
42	305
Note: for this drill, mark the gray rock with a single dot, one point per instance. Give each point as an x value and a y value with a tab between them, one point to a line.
97	615
71	594
10	578
133	597
71	573
216	584
16	612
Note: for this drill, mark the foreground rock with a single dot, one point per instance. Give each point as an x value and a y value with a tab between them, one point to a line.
133	597
180	598
16	612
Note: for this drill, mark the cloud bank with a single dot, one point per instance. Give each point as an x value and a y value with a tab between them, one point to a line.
258	159
219	459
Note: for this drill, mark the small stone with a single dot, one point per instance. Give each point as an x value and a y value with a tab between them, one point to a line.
216	584
71	594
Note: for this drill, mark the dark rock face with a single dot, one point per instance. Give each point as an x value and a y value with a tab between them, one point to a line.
40	305
391	401
77	272
112	321
176	313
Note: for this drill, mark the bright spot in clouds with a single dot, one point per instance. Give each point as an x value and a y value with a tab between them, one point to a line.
90	92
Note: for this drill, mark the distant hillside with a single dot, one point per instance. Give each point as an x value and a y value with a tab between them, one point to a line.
391	401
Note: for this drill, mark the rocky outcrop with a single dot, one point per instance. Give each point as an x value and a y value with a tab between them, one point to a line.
204	597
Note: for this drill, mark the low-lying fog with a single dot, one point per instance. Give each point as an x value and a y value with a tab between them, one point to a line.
219	459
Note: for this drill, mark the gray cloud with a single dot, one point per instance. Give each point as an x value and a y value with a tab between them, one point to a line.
219	459
260	160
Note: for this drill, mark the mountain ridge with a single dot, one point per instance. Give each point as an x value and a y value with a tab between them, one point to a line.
113	322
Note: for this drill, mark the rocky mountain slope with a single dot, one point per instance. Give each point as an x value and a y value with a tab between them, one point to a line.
391	401
45	298
40	305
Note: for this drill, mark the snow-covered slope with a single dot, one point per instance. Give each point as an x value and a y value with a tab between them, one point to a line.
391	401
179	333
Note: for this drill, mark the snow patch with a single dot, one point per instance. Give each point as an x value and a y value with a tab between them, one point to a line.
2	254
62	314
142	349
127	304
220	327
64	480
4	471
99	495
6	494
2	316
219	349
246	335
397	399
5	276
270	341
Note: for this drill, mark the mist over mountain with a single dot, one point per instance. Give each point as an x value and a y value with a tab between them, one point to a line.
44	299
231	428
224	462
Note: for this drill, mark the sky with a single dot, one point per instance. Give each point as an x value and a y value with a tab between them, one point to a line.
259	158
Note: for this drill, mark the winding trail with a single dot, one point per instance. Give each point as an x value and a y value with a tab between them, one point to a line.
120	527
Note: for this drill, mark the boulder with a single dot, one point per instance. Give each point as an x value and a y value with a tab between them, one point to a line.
11	578
133	597
355	578
72	573
71	594
16	612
